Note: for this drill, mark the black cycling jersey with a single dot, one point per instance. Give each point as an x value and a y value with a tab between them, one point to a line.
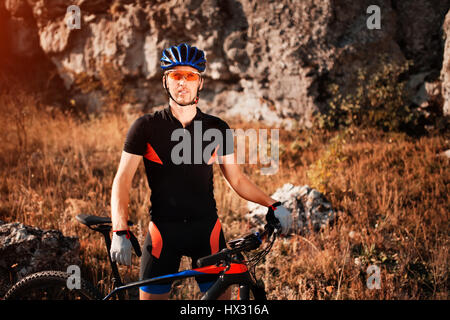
178	162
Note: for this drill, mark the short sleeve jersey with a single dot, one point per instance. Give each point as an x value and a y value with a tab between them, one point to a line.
178	161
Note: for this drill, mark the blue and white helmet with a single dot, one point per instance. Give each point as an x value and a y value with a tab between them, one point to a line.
183	55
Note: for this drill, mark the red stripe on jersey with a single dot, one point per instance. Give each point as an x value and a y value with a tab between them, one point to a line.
151	154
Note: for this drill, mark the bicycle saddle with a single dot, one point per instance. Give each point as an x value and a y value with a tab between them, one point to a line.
90	220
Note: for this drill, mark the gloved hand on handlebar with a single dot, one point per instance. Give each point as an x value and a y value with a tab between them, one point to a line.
121	247
278	214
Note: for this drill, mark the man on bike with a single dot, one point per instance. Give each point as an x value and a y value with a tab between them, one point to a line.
184	220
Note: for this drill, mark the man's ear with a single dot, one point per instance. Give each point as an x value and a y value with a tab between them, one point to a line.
201	84
164	81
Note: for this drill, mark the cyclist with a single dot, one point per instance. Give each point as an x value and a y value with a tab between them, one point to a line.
184	220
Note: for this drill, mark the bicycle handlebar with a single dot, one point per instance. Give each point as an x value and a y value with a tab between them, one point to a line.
249	242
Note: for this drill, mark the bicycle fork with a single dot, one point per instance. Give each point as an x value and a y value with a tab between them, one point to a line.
246	284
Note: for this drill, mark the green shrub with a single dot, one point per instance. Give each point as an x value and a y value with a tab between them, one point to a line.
378	98
324	170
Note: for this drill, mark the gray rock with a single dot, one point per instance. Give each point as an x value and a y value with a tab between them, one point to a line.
310	210
25	250
445	154
445	73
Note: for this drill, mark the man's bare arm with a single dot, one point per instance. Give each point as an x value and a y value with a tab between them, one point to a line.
120	196
241	183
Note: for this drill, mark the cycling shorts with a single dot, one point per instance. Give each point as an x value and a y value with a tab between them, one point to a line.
167	241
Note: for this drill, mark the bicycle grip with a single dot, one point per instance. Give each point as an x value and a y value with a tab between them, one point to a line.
211	259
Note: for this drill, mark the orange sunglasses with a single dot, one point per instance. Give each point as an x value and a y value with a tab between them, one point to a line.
180	74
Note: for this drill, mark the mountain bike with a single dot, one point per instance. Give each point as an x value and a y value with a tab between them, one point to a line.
230	264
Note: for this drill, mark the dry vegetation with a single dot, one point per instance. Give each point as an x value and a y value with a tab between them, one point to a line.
390	192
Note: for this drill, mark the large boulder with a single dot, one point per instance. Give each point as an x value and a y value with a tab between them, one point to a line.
25	250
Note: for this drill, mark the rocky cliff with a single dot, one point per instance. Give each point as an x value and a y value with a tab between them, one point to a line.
267	60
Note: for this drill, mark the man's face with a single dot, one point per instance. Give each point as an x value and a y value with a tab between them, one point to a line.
183	82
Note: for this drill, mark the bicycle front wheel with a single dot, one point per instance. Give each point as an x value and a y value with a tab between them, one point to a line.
50	285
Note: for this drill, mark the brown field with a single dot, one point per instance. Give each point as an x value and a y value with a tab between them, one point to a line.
390	192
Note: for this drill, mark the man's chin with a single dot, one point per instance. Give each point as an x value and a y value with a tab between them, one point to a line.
183	101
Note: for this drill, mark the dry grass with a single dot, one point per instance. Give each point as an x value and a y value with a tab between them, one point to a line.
390	192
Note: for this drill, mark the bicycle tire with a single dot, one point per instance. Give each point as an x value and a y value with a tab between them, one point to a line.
50	285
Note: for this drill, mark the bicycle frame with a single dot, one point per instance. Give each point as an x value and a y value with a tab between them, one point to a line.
116	279
235	273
